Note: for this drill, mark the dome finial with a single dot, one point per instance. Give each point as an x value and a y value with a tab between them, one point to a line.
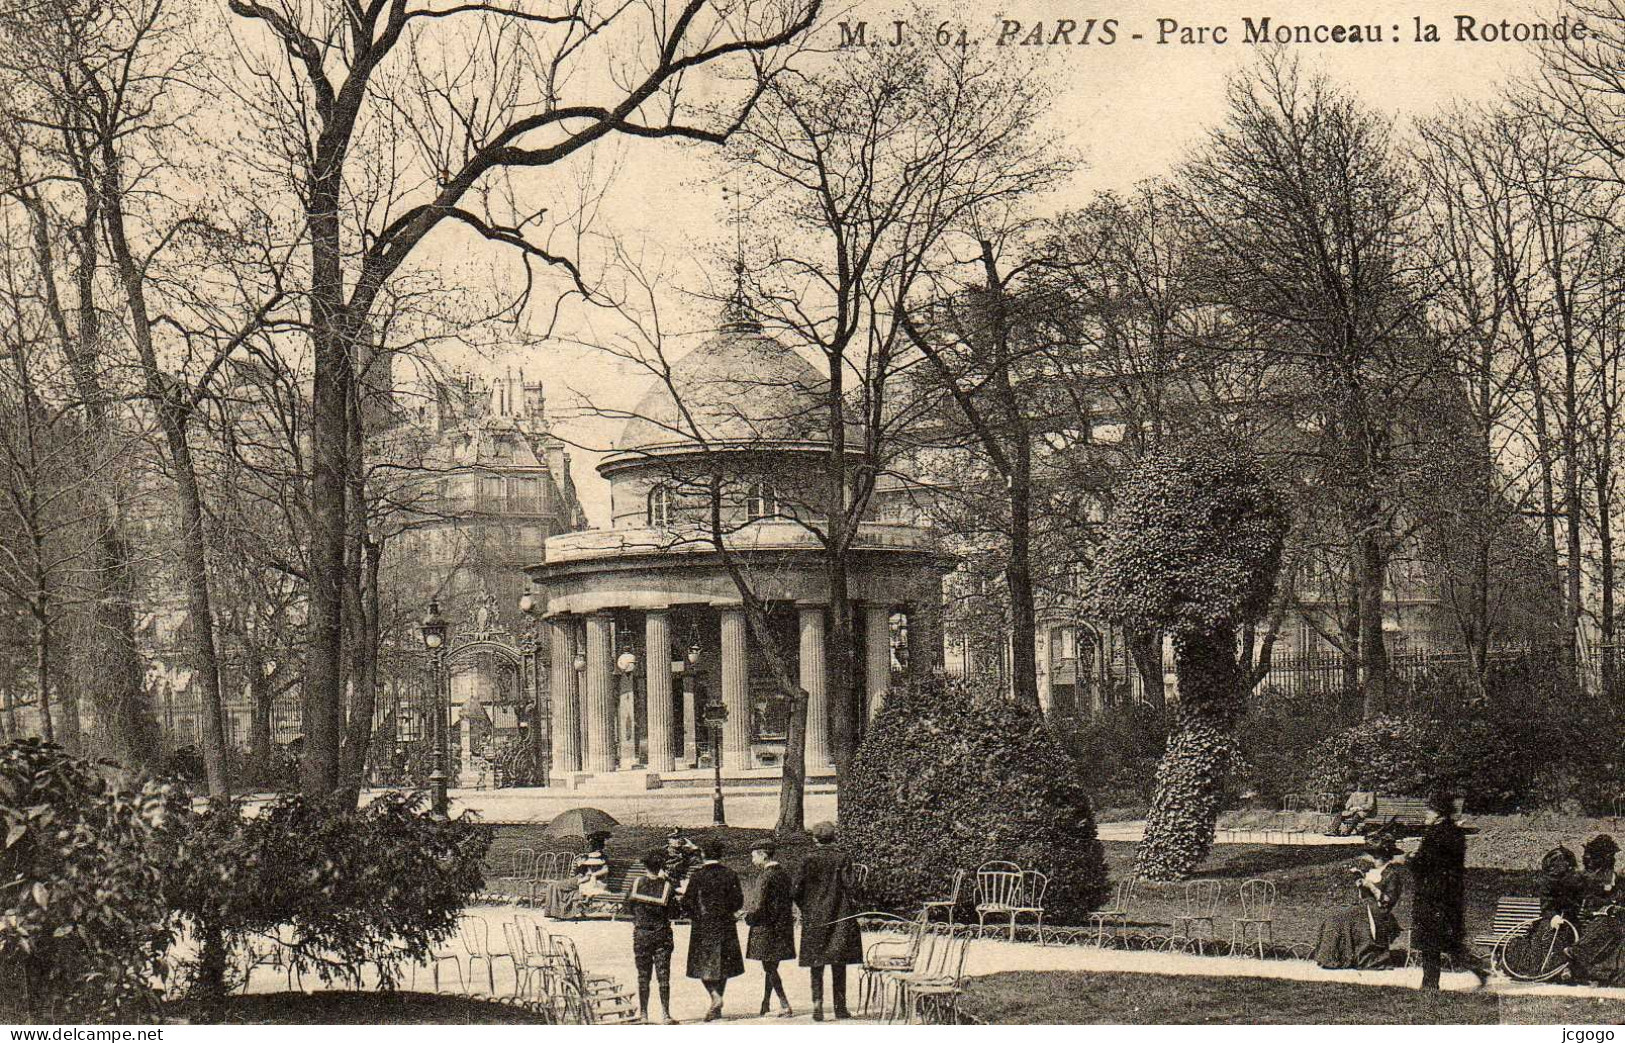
737	314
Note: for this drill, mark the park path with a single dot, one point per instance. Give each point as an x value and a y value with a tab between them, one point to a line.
606	948
1134	832
689	808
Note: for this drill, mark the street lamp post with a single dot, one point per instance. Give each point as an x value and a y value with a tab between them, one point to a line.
433	628
715	715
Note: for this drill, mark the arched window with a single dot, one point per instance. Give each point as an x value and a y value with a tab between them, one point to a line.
660	506
761	502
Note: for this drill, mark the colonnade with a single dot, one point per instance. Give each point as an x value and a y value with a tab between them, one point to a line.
585	701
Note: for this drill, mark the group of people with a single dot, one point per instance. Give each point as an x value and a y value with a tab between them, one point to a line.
1363	935
688	880
1586	896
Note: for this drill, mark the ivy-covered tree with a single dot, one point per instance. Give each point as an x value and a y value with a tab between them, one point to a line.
1193	548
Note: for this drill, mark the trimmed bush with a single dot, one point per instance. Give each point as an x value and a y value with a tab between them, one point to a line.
381	886
953	775
82	918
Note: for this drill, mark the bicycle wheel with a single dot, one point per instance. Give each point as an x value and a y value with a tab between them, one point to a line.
1533	951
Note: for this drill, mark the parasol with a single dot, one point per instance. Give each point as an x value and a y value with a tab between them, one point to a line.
579	822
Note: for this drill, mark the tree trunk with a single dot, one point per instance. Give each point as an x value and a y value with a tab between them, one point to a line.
840	671
329	434
1018	576
1145	650
168	402
42	669
1370	571
1190	780
262	703
364	675
117	687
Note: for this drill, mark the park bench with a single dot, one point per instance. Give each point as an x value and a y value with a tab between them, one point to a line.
1511	913
1408	814
618	884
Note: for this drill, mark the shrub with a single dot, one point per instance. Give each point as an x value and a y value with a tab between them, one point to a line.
1527	739
1384	754
382	885
952	775
1118	750
82	920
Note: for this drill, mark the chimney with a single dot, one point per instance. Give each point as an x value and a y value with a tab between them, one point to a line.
535	401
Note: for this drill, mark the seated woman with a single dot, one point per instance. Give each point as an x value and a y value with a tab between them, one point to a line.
592	868
565	897
1363	935
1586	900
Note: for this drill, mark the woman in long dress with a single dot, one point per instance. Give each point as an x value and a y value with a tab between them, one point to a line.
1363	935
566	898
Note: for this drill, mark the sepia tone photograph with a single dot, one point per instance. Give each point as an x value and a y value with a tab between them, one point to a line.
785	512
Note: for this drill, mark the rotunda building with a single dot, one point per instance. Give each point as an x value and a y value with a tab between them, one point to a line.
718	479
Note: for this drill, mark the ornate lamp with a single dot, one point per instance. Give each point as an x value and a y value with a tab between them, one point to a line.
433	627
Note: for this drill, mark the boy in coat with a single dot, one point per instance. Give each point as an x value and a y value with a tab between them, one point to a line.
830	937
772	924
1440	868
713	898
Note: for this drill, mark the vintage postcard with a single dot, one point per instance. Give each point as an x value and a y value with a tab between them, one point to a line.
576	512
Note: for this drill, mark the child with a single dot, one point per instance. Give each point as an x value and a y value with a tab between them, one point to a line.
652	939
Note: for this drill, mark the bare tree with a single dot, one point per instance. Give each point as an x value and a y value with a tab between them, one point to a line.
868	174
1306	221
537	88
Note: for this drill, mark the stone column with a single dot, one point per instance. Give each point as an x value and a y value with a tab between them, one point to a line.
566	719
601	715
657	687
876	654
925	633
812	679
735	691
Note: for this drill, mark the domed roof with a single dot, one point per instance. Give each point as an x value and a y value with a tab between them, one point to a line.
739	386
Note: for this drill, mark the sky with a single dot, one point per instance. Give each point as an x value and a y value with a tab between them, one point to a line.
1130	109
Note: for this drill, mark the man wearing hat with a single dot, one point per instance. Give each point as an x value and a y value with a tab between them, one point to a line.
772	923
1440	869
713	898
830	936
682	855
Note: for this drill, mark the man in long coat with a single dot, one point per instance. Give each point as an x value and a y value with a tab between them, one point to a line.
713	898
1440	868
771	916
830	937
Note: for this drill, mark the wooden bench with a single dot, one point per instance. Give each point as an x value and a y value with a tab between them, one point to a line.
619	884
1408	814
1511	913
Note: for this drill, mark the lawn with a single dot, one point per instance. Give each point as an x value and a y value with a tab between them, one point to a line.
1310	882
340	1008
1079	998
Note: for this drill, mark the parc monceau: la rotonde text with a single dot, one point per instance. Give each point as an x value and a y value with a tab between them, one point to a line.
1256	31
